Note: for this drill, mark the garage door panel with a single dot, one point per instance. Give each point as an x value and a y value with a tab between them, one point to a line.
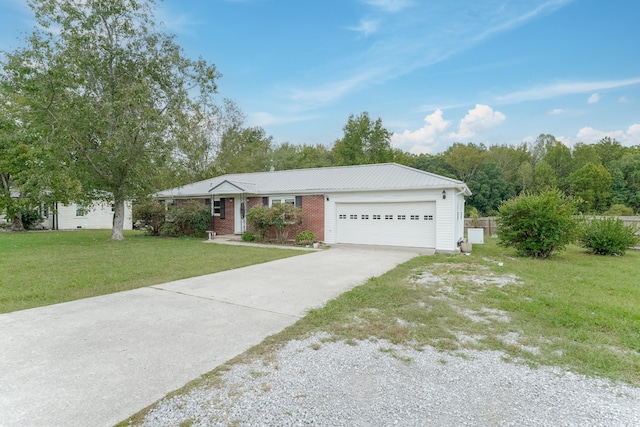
396	224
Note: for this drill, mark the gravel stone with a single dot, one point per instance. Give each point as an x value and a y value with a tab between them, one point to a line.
313	382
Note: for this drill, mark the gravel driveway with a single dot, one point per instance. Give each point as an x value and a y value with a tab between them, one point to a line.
313	382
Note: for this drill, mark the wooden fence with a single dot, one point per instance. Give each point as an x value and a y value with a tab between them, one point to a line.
490	227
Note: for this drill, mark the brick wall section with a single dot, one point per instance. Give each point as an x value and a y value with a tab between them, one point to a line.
226	225
313	208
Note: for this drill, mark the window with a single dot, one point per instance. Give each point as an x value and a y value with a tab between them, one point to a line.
415	217
342	216
275	201
364	216
353	216
402	217
216	207
388	217
81	210
428	217
376	217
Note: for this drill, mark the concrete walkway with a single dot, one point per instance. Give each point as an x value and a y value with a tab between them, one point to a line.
97	361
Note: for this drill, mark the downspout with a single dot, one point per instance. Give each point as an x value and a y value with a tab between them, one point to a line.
55	218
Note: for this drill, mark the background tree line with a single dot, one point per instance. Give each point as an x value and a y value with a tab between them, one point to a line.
597	176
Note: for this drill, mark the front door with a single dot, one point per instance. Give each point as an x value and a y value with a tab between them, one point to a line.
239	223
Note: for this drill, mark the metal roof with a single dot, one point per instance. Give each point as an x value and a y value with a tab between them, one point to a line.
383	176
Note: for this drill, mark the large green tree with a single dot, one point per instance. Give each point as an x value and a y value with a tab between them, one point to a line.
465	159
115	91
489	189
365	141
245	150
30	177
592	185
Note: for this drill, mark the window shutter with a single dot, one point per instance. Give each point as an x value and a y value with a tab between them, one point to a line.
298	201
222	200
265	201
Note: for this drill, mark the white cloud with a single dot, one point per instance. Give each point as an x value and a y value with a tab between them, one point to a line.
390	5
623	100
630	137
477	120
366	27
593	99
559	89
556	111
424	139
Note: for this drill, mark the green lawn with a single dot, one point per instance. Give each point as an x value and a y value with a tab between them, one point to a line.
42	268
575	310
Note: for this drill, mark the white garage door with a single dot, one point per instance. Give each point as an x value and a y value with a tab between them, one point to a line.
394	224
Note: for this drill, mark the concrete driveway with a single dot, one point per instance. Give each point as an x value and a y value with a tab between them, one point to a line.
97	361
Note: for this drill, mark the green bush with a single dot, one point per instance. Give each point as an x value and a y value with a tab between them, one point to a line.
187	219
607	236
31	218
151	214
284	217
259	219
619	210
248	236
537	225
305	237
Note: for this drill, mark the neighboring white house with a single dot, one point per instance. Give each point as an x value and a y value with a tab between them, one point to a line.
76	216
380	204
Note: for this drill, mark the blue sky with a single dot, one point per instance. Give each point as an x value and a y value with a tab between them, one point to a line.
435	71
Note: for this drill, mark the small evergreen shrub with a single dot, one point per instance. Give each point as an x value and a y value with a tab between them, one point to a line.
607	236
31	218
305	237
248	236
537	225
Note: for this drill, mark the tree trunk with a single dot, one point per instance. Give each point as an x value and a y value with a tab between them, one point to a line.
118	220
16	223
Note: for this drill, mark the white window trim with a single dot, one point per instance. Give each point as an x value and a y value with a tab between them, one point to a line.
282	199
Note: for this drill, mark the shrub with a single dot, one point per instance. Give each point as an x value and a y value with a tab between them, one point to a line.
188	219
248	236
284	217
607	236
30	218
151	214
305	237
537	225
191	219
259	219
619	210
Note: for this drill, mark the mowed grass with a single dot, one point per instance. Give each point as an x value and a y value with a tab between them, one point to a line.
42	268
577	311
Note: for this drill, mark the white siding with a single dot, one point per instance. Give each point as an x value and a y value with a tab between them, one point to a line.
445	219
98	216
